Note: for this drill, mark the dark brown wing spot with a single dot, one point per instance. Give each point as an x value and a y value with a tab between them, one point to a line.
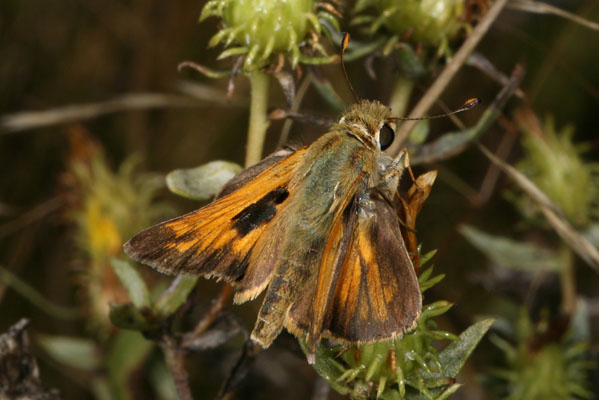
259	212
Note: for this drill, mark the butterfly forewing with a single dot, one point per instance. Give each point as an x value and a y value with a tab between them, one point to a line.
217	240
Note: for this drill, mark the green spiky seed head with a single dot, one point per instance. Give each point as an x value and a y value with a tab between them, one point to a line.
555	163
430	23
402	364
267	23
107	207
541	365
259	28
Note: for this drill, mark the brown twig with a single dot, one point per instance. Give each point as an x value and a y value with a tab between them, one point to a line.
248	355
480	62
538	7
448	73
297	101
175	360
31	216
25	120
208	319
487	187
451	144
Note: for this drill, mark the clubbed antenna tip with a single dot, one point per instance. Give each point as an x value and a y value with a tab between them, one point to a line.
468	104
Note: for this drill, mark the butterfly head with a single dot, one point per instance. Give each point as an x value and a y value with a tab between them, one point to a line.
368	121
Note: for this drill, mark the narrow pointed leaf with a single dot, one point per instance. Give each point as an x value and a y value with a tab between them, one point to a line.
133	282
174	296
455	355
510	253
74	352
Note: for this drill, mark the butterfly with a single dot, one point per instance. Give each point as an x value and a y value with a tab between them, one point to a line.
316	228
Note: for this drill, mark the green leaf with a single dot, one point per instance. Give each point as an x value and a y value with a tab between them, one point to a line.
72	351
420	132
174	296
327	367
429	283
203	182
435	393
455	354
427	257
510	253
410	62
435	309
100	388
133	282
327	92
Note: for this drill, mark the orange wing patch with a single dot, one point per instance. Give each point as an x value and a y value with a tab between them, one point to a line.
216	240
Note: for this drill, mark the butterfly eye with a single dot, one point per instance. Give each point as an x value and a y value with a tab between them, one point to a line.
386	136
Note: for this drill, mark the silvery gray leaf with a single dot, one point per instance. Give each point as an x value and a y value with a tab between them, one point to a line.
203	182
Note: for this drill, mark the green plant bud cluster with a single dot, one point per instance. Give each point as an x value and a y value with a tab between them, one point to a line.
394	365
541	366
556	165
259	28
111	206
429	23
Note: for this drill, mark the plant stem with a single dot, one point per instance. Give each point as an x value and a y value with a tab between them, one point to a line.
258	123
568	282
175	361
400	97
208	319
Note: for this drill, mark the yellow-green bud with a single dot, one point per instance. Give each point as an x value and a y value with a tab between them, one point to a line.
274	24
555	164
426	21
260	27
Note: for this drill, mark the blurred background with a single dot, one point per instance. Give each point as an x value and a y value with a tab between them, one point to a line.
94	113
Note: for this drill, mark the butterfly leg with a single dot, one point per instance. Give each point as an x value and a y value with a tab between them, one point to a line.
400	162
394	171
389	182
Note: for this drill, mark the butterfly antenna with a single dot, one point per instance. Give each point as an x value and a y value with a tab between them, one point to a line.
470	103
344	44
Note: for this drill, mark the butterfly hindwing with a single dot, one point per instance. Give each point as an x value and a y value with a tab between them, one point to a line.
217	240
375	293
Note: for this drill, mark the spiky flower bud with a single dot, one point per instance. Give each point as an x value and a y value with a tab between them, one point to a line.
260	28
427	23
556	165
546	362
105	207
